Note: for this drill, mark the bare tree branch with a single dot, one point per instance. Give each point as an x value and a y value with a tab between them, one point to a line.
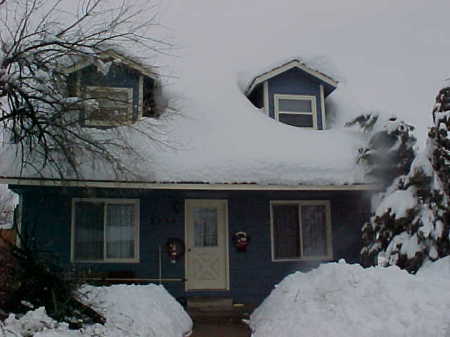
35	108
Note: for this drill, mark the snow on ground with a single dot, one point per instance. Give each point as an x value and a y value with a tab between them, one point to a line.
130	311
343	300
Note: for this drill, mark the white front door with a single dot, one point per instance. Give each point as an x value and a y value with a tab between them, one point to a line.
206	244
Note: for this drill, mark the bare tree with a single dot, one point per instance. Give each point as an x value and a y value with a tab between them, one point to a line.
36	109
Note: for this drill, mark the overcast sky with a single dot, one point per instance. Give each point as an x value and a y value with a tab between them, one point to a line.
389	56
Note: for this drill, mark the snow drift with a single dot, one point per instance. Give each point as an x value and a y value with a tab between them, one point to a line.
339	299
130	311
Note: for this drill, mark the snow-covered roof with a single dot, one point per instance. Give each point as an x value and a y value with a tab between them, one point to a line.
285	66
221	138
218	137
110	53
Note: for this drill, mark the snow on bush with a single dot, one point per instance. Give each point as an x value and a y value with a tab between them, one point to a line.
343	300
411	224
130	311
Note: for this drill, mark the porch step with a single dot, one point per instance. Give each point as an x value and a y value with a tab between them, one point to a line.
228	315
210	303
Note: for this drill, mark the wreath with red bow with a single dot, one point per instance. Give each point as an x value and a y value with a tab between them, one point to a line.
241	241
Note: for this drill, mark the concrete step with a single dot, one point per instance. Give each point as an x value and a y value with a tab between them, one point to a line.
210	303
206	329
230	314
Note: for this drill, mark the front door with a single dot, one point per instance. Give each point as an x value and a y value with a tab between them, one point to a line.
206	244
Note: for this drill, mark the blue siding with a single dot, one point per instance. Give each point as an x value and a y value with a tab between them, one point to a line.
295	82
47	216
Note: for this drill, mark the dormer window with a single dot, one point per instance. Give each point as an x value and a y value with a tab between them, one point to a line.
293	94
114	89
108	106
296	110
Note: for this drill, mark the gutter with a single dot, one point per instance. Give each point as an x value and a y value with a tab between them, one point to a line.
42	182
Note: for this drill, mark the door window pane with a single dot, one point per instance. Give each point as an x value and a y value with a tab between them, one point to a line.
120	231
205	227
89	235
314	230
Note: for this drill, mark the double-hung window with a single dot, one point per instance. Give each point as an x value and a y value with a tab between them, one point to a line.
301	230
105	230
108	106
296	110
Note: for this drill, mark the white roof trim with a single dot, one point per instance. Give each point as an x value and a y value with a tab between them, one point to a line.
281	69
111	53
183	186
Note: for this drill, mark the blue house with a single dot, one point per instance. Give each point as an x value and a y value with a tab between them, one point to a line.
234	238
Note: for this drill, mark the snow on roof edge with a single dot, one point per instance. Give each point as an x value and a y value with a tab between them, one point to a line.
179	184
116	54
295	62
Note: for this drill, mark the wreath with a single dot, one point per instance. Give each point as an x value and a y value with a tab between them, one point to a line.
175	249
241	241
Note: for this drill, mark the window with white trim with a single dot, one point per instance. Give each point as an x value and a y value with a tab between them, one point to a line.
108	106
301	230
296	110
105	230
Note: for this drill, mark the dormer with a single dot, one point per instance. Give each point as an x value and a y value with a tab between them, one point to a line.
114	90
294	94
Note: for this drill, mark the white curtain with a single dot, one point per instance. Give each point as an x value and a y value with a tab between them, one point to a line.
205	227
120	231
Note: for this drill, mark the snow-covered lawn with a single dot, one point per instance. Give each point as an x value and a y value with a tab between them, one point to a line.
130	311
343	300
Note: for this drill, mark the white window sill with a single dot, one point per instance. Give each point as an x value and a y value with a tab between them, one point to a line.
306	258
108	261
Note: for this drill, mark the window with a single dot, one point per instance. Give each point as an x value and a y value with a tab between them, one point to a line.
296	110
301	230
108	106
105	230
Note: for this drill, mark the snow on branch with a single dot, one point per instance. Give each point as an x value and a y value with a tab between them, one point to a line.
38	43
411	220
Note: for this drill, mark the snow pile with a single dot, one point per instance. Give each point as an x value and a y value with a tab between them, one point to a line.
439	268
130	311
343	300
146	310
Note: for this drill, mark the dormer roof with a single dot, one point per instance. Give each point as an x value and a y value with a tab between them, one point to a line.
329	83
112	54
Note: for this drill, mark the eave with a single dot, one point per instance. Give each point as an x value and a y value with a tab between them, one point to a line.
113	54
181	186
285	67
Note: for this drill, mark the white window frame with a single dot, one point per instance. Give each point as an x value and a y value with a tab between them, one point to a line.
106	201
329	238
310	98
129	91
